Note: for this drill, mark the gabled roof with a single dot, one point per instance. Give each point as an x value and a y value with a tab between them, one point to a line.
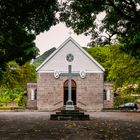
61	46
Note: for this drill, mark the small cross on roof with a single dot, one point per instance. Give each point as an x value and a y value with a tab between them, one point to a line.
70	33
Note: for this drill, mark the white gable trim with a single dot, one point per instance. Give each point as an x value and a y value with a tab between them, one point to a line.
57	50
89	56
75	71
61	46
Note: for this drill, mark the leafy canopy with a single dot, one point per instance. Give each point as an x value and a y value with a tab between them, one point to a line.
17	44
32	15
18	76
121	69
20	21
121	20
14	81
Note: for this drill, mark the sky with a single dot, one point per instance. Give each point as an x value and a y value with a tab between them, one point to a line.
56	36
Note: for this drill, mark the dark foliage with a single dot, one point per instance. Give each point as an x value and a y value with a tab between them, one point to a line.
20	21
121	20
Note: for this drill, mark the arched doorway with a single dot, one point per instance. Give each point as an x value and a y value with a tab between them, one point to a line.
73	92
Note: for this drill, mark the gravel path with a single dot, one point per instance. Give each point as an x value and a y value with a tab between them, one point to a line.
37	126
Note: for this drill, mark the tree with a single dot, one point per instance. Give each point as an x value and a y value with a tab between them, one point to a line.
18	76
15	79
102	55
121	20
19	23
32	15
133	48
17	44
121	69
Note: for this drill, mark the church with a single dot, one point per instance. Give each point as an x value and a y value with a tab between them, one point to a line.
89	92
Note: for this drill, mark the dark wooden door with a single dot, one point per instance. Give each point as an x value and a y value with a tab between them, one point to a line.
73	95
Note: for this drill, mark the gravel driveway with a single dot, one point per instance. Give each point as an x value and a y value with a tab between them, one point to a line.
37	126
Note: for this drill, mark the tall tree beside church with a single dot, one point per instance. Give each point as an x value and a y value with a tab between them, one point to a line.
14	82
121	69
121	20
20	21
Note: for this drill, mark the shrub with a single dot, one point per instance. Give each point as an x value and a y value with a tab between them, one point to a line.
123	99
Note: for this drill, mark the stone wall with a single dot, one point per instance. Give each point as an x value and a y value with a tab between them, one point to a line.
90	92
51	92
108	103
31	104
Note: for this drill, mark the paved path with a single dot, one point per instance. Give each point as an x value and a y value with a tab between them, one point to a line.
46	115
37	126
116	115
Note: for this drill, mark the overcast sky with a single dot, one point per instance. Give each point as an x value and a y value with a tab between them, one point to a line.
59	33
56	36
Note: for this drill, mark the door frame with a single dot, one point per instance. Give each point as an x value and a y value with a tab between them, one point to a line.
74	86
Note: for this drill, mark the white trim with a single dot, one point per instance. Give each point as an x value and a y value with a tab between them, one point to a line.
32	94
61	46
47	71
87	54
108	95
66	71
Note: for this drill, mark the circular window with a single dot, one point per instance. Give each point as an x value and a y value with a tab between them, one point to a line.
70	57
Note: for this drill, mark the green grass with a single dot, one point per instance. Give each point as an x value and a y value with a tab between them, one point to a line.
10	107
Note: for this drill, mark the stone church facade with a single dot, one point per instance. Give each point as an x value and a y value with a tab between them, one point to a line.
51	94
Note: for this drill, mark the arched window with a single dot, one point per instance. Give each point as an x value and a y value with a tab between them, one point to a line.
33	94
108	95
104	95
73	84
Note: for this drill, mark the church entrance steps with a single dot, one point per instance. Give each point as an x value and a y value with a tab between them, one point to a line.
63	108
69	115
72	112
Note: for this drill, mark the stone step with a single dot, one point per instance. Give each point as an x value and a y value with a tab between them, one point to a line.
69	117
71	113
